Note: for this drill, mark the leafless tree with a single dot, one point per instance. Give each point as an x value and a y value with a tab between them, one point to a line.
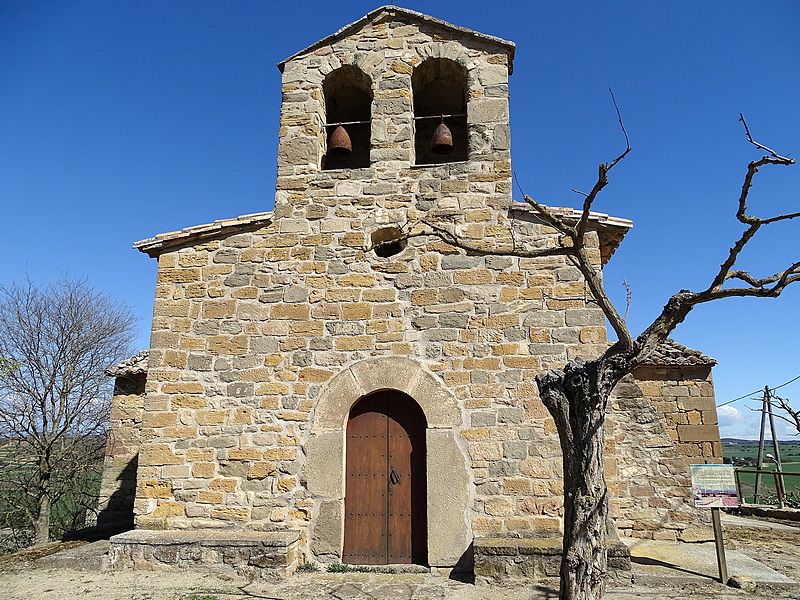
577	395
790	415
55	343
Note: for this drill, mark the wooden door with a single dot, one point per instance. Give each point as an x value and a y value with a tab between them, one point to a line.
385	494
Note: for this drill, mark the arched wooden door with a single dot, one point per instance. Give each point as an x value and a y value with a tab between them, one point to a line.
385	494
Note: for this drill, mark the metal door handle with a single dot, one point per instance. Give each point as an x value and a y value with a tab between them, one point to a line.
394	478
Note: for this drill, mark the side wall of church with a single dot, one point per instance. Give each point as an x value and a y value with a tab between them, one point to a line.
684	397
652	488
118	485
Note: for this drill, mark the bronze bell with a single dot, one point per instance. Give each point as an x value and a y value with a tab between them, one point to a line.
442	140
340	144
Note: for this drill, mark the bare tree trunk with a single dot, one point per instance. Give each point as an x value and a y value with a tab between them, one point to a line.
577	399
42	524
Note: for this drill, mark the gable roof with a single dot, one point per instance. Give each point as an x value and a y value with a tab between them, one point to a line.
390	12
671	353
135	365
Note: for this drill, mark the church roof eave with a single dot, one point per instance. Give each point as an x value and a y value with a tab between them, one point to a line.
154	246
610	230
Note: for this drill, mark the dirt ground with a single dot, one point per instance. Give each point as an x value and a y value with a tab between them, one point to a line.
778	549
34	575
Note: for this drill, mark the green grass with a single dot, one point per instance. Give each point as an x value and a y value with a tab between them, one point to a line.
790	463
790	451
340	568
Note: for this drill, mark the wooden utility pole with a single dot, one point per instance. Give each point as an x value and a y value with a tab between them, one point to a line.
762	433
766	413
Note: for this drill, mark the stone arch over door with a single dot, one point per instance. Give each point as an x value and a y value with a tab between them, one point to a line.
448	474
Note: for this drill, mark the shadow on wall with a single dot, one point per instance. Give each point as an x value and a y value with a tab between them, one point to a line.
118	510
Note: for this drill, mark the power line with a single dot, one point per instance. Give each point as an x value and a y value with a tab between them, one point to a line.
787	383
757	392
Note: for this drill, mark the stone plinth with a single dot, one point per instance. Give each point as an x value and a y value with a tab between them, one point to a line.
527	558
253	555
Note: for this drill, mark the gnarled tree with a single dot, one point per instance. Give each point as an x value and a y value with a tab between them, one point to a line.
55	343
577	395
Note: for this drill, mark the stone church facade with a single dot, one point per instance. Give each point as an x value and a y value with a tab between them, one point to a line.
321	387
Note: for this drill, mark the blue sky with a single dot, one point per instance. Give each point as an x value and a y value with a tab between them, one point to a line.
120	120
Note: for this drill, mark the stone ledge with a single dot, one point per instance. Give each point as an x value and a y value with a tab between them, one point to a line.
771	512
533	558
271	554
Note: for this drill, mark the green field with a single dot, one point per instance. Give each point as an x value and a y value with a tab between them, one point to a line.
743	454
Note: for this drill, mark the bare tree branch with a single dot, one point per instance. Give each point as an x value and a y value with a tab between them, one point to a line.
791	416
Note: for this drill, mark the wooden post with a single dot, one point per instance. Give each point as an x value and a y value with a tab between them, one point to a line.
760	457
779	489
720	544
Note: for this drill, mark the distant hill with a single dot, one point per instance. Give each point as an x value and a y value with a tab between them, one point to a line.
755	442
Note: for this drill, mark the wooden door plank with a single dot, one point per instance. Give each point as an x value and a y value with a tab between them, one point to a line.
399	499
365	500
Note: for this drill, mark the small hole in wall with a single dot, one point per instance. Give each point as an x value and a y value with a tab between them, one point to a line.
387	242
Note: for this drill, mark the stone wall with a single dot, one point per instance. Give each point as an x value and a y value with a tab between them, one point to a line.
684	397
118	485
244	345
651	485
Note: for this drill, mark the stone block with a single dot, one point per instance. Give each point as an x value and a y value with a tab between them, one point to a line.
353	343
272	389
244	453
166	276
280	454
209	497
210	417
158	454
231	513
328	528
449	534
228	344
297	312
155	489
698	433
261	470
204	470
184	387
322	478
168	509
485	451
219	309
159	419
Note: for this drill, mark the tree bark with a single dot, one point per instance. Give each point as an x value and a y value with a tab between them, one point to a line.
577	398
42	524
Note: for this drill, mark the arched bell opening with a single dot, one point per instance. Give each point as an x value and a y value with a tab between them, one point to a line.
440	111
385	482
348	102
